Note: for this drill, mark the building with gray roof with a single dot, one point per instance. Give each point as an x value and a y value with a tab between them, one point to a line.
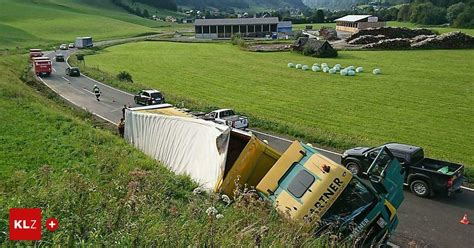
225	28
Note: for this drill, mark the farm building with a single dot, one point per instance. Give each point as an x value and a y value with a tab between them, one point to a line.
285	27
225	28
314	47
354	23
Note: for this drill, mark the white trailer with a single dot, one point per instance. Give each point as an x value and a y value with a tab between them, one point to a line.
84	42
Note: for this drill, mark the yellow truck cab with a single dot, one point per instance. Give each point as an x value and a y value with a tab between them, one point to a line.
323	194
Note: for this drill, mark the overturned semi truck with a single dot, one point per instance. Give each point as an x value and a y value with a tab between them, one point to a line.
301	182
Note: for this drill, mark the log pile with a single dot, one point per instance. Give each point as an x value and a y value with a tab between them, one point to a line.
367	39
398	43
391	32
452	40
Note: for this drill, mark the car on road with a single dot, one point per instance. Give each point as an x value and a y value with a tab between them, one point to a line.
149	97
63	47
73	72
59	57
424	176
228	117
71	45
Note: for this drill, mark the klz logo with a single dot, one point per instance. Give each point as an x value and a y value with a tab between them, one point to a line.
25	224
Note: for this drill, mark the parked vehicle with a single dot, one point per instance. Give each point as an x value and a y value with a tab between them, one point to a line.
42	66
71	45
149	97
301	182
59	58
84	42
35	53
73	72
425	176
228	117
63	47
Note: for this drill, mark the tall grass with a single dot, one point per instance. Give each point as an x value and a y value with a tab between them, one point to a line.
104	192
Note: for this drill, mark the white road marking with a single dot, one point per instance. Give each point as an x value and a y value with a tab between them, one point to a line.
392	245
54	69
88	91
466	188
65	79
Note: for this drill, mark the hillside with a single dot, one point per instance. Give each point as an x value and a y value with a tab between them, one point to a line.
103	191
345	4
242	4
28	23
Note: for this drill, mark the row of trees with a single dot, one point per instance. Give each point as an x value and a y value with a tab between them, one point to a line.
457	13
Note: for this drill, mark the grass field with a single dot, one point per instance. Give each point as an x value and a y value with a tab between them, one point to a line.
422	97
106	193
29	23
393	24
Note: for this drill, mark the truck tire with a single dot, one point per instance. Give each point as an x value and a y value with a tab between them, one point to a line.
420	188
353	167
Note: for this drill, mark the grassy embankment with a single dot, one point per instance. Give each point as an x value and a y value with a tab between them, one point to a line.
105	192
441	30
422	97
48	23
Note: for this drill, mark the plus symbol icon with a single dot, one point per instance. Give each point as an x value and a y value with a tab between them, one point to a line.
52	224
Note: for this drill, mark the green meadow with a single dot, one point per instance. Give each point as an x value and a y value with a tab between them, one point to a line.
29	23
421	97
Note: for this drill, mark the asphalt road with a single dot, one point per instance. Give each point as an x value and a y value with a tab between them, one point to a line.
423	222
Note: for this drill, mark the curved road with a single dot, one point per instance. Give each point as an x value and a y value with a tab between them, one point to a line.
423	222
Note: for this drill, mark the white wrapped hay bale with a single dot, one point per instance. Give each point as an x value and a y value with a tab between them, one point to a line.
359	69
291	65
316	68
351	73
316	64
350	67
325	69
305	67
332	71
376	71
324	65
338	66
343	72
298	66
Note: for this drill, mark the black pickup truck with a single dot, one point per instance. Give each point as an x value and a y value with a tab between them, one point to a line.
425	176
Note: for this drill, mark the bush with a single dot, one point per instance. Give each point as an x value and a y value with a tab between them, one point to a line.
125	76
237	40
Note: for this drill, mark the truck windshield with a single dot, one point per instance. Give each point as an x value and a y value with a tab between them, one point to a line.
354	197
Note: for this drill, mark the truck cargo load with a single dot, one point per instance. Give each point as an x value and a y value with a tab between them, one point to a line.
35	53
84	42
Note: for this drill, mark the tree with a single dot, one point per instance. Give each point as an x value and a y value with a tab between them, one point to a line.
466	18
319	16
146	14
454	10
404	13
427	13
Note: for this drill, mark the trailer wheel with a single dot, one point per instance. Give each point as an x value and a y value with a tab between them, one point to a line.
353	167
420	188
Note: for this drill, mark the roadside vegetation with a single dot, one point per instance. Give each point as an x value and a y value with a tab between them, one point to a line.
106	193
404	104
51	22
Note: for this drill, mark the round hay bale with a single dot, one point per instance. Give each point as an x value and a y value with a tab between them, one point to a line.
350	67
291	65
315	64
376	71
351	73
305	67
298	66
324	65
343	72
338	65
337	68
359	69
326	69
316	68
332	71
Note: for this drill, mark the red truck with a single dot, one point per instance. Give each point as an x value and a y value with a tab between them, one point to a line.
35	53
43	66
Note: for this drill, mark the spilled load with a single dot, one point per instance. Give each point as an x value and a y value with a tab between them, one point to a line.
301	182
